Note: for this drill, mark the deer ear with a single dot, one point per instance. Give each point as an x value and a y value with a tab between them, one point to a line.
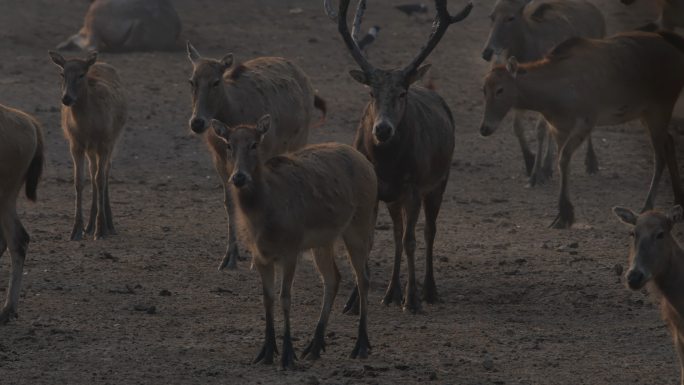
193	55
676	214
263	124
92	58
625	215
221	130
359	76
227	61
420	72
512	66
57	58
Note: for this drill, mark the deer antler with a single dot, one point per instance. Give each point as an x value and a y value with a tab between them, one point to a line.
343	29
442	21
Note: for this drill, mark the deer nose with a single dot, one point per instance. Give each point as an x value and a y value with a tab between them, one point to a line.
635	279
487	54
198	125
67	100
239	179
383	131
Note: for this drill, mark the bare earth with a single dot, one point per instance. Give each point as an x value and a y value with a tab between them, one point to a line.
522	304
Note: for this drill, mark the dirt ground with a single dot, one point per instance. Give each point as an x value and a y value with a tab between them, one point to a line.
522	304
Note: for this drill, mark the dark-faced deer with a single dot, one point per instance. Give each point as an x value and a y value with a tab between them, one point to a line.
241	94
656	257
21	163
527	30
298	201
407	132
93	115
127	25
585	82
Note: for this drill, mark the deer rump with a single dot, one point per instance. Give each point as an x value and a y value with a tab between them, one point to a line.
127	25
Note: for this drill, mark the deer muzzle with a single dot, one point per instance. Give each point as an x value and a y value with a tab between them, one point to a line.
383	131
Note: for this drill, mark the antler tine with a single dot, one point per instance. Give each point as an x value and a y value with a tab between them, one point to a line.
352	46
439	27
360	10
330	10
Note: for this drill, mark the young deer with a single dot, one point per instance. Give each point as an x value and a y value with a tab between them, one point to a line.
585	82
302	200
527	30
93	115
407	132
242	93
655	256
21	163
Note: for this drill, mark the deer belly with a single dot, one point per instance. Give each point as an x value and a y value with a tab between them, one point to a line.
620	113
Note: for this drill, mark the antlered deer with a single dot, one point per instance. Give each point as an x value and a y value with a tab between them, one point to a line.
655	256
93	115
21	163
407	132
527	30
302	200
127	25
587	82
241	94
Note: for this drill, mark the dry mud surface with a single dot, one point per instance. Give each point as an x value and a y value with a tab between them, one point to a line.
522	304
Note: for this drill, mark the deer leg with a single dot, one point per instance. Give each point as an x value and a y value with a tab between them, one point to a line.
288	268
671	156
411	212
108	207
232	251
17	240
679	347
547	169
431	203
519	131
591	162
269	348
538	176
77	156
92	165
393	293
657	126
100	184
325	262
566	214
358	245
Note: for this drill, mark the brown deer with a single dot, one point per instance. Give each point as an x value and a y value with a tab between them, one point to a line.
93	114
527	30
656	257
127	25
302	200
240	94
585	82
671	15
21	163
407	132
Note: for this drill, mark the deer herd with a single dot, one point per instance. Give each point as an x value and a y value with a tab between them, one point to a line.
283	197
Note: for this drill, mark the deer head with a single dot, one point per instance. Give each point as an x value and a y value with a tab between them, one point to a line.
74	75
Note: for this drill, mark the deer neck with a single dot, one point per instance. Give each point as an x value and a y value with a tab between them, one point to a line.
82	101
252	200
535	92
671	284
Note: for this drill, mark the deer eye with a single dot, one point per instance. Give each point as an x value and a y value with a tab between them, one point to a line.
192	82
254	146
660	235
510	18
371	94
216	83
631	234
499	91
402	95
81	76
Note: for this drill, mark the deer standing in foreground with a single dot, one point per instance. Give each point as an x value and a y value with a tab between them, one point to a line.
93	114
655	256
302	200
235	94
527	30
407	132
587	82
21	163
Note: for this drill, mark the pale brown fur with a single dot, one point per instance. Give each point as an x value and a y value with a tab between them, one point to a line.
589	82
527	30
303	200
241	94
127	25
93	115
656	257
21	163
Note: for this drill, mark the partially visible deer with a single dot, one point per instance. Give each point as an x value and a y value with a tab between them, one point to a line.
671	14
656	257
93	114
407	132
527	30
127	25
240	93
298	201
587	82
21	163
